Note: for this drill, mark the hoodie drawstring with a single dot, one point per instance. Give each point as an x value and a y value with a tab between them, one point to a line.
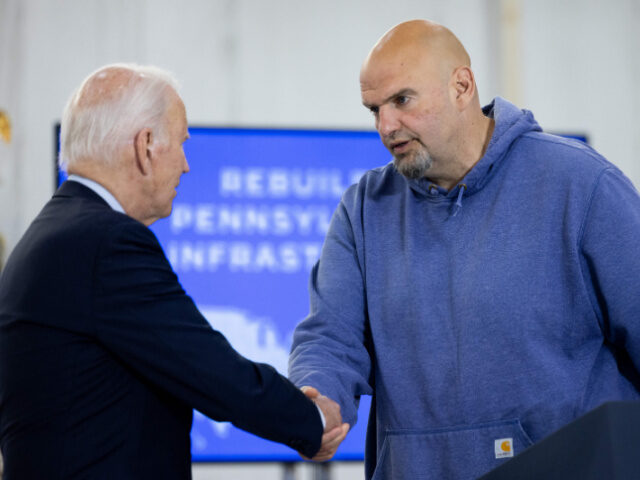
461	188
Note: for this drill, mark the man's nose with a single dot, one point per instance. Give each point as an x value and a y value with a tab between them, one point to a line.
388	121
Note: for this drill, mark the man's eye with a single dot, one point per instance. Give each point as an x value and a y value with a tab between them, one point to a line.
374	110
401	100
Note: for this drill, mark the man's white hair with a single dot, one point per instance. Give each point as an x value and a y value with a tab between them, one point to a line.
97	122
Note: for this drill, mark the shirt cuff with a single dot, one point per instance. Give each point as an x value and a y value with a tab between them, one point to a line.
324	422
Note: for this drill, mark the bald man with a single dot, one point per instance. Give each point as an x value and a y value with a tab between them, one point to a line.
482	287
103	356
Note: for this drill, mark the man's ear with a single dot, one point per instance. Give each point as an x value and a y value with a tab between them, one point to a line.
142	144
462	87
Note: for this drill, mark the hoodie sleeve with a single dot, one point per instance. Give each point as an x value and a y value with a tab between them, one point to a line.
611	253
330	347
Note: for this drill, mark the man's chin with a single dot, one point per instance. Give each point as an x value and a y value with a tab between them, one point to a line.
410	168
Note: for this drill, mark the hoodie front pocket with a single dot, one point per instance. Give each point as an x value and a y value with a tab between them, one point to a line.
462	452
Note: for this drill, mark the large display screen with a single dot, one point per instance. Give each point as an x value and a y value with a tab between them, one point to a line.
247	226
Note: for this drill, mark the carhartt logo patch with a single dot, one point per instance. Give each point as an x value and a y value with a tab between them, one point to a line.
504	447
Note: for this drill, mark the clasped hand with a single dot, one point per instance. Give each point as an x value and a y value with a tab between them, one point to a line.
334	431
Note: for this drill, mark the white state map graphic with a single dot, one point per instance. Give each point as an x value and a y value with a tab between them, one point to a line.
253	337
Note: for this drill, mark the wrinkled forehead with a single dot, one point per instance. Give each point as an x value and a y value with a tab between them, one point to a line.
401	69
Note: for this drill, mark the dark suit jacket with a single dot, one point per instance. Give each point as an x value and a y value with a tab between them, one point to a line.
103	356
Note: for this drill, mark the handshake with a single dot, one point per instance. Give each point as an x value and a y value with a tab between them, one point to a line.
334	430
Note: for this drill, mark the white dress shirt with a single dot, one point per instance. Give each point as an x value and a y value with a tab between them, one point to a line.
98	189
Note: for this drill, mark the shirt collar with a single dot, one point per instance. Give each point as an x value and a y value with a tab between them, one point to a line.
99	190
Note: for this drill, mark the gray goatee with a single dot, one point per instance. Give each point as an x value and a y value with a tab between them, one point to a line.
414	164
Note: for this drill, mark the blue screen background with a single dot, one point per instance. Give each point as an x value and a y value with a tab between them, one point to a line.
247	224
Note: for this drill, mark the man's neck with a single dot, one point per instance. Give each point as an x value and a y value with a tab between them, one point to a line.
108	178
473	142
99	189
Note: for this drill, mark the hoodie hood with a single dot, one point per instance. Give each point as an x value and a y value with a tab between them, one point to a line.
510	123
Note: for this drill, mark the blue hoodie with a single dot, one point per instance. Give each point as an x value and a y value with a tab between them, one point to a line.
483	318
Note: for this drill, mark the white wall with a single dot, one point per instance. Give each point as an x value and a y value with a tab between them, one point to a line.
580	62
296	62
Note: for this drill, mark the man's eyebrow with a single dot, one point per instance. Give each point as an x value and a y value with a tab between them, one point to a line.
399	93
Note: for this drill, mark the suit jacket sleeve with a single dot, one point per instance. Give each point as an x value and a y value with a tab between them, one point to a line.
145	318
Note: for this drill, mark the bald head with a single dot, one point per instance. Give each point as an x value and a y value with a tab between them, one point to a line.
417	43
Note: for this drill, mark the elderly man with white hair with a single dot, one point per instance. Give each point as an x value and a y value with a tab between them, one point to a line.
103	355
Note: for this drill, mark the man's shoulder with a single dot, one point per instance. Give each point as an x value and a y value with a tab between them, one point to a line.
79	225
564	166
564	153
85	217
